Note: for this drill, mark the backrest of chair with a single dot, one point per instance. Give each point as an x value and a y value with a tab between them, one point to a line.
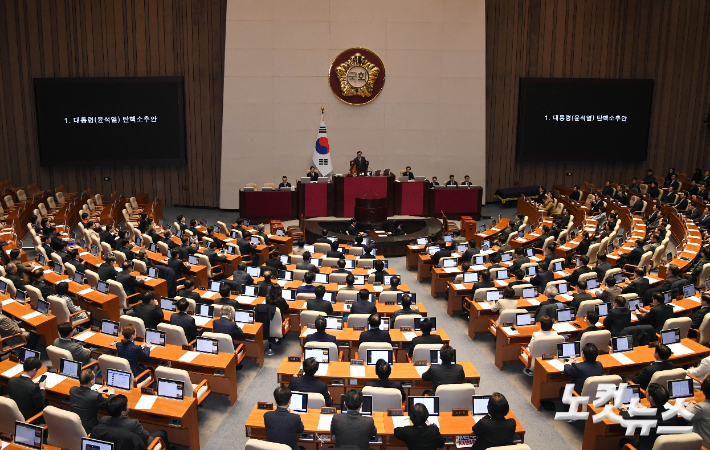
58	307
177	375
9	201
92	278
140	266
600	338
296	259
56	259
704	330
64	428
11	291
115	362
337	277
116	288
388	296
223	227
406	320
333	351
120	257
256	444
544	345
298	274
163	248
174	335
205	261
367	263
687	441
105	249
55	354
508	315
9	413
704	275
348	295
662	377
592	383
383	398
355	251
310	317
612	272
225	344
358	320
322	247
365	346
135	321
587	276
592	253
518	288
305	296
134	202
587	305
34	294
422	352
683	323
657	256
455	396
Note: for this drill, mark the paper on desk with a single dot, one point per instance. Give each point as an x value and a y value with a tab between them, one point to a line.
677	308
484	305
502	282
3	444
9	373
282	283
679	349
477	268
309	331
535	258
209	294
421	369
557	364
633	316
567	297
452	270
695	299
409	335
522	240
459	286
414	247
146	402
401	421
244	300
8	301
201	321
564	247
31	315
598	324
322	370
563	327
533	301
623	359
378	288
84	336
324	421
510	330
357	371
52	380
188	356
526	279
84	253
85	291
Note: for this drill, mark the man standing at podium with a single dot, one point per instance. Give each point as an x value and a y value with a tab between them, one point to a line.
313	174
359	163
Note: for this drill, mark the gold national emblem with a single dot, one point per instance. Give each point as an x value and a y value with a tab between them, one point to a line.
357	76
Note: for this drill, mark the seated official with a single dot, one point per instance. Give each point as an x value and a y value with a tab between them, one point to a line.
634	256
659	313
367	252
434	181
226	325
307	286
602	267
494	430
383	371
582	369
379	272
542	277
185	249
352	428
130	351
580	295
507	302
519	278
374	334
699	315
612	290
274	261
313	173
86	402
183	320
352	229
408	173
177	265
65	342
445	373
149	311
318	304
394	284
323	239
225	299
443	252
484	281
321	335
406	308
8	327
573	278
639	285
143	256
29	396
260	232
660	356
188	291
128	281
657	396
276	299
520	259
264	286
545	330
363	305
333	252
548	307
420	435
37	278
306	264
398	230
284	183
106	270
341	267
309	383
282	426
466	181
118	420
241	277
470	252
618	318
590	320
701	413
452	181
426	337
349	283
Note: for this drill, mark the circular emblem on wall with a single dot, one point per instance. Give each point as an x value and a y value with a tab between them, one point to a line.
357	76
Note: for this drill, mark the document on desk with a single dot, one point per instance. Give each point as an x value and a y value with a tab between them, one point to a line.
459	286
52	380
209	294
188	356
146	402
563	327
322	370
85	291
244	300
409	335
201	321
567	297
324	421
679	349
8	301
355	371
421	369
452	270
477	268
309	331
379	288
677	308
84	336
557	364
414	247
533	302
401	421
484	305
502	282
31	315
9	373
622	358
510	330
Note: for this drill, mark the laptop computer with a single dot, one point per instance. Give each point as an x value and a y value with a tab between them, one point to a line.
214	286
79	278
243	316
689	291
333	323
449	262
470	277
422	241
349	264
250	291
492	296
433	249
320	354
524	319
43	307
286	275
480	406
359	280
309	248
167	304
205	345
532	271
622	344
155	337
507	256
20	296
109	327
603	310
171	389
118	379
479	260
152	273
435	357
430	403
69	368
374	355
502	274
670	336
28	435
530	292
565	315
562	288
102	286
95	444
299	402
288	294
204	310
592	283
680	388
320	278
27	353
632	392
567	349
558	266
254	271
193	261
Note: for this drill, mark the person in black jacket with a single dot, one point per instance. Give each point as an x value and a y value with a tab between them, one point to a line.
699	315
420	436
128	281
657	396
580	295
106	270
659	313
318	304
543	277
282	426
584	244
618	318
118	419
520	259
470	252
309	383
149	311
178	266
350	429
660	355
494	430
639	285
185	249
188	291
581	270
241	277
334	253
484	281
443	252
426	337
383	371
321	335
274	261
108	237
580	370
374	334
634	256
363	305
226	325
168	240
591	321
38	282
183	320
28	395
86	402
445	373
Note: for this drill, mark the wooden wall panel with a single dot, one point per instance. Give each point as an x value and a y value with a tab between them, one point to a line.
115	38
662	40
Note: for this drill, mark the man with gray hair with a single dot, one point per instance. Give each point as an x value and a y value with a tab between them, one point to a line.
226	325
11	274
260	232
550	306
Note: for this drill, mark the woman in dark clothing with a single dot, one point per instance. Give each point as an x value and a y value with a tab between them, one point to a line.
494	430
128	350
278	301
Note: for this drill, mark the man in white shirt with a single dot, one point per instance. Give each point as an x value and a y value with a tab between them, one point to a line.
507	302
545	330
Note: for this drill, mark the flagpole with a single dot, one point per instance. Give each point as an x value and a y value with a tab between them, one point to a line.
322	112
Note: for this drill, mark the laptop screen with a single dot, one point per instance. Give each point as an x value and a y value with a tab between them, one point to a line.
167	304
320	278
3	287
565	315
333	323
558	266
689	291
507	256
430	403
205	345
193	261
502	274
524	319
170	388
529	292
449	262
288	294
492	296
285	275
285	259
231	250
95	444
470	277
603	309
667	296
632	392
152	272
43	307
387	279
27	353
479	260
155	337
619	277
435	357
567	349
463	247
375	355
69	368
244	316
622	343
153	248
680	388
562	288
214	286
433	249
359	280
320	354
532	271
365	407
102	287
78	278
299	402
118	379
448	238
109	327
418	322
634	303
94	250
349	264
592	283
29	435
254	271
250	291
58	269
529	251
20	296
422	241
480	404
412	297
671	336
204	310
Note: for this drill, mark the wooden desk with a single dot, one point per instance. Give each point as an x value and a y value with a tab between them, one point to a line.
101	306
220	369
547	380
413	252
44	326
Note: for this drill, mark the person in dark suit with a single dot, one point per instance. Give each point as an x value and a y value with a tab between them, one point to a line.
282	426
225	299
307	286
183	320
580	370
74	261
379	272
318	304
321	335
580	295
406	309
188	291
443	252
306	264
225	324
108	237
657	396
106	270
494	430
309	383
520	259
363	304
576	193
260	232
313	173
149	310
602	266
693	212
634	256
445	373
129	350
583	247
426	337
185	249
352	228
352	428
591	321
374	334
274	261
420	435
383	371
86	402
333	252
177	265
470	252
564	218
408	173
284	182
660	355
548	307
367	252
241	277
452	181
323	239
639	285
659	313
665	285
118	419
434	181
484	281
699	315
11	274
128	281
168	240
65	342
38	282
612	290
704	220
360	163
543	277
618	318
28	395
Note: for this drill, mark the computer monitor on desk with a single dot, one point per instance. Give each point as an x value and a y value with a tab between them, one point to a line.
95	444
430	403
28	435
118	379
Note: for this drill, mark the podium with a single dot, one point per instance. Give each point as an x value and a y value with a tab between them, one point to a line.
347	189
371	210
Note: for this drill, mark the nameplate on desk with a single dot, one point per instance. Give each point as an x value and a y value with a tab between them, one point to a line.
359	328
236	293
341	283
147	391
265	405
201	288
357	362
403	328
421	362
395	412
14	359
389	303
294	359
547	356
327	410
187	347
459	412
311	325
377	283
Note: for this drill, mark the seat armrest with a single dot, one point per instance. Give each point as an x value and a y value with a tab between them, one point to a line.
35	417
88	316
286	326
697	335
527	352
94	363
198	387
340	356
2	342
467	304
694	378
192	343
146	372
159	444
240	350
628	447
